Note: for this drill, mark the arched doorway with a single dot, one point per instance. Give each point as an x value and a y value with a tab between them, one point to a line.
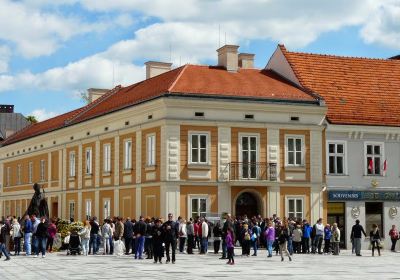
247	204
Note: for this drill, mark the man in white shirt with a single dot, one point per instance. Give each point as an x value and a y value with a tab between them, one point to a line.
204	236
319	235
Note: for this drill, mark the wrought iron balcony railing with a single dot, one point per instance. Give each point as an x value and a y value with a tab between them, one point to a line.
239	171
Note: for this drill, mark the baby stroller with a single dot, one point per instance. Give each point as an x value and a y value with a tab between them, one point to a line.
74	246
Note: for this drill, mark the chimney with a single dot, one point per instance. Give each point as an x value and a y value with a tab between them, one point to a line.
95	93
246	60
228	57
155	68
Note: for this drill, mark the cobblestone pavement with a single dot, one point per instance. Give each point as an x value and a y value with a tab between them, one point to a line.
346	266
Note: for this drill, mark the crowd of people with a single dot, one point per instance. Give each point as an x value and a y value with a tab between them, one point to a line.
153	238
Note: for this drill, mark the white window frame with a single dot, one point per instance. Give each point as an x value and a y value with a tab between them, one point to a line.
336	142
240	150
127	154
19	174
107	158
198	196
106	212
199	133
71	213
303	150
30	172
88	208
151	149
72	164
42	170
382	157
295	197
88	161
8	176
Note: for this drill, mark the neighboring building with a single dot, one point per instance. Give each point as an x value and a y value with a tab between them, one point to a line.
362	135
10	122
196	140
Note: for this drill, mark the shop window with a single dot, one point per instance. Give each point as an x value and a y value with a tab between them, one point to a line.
336	158
374	215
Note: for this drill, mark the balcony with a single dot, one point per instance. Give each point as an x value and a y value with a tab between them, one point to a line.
252	171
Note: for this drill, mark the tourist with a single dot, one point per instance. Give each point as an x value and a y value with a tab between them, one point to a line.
85	238
297	234
16	235
204	236
190	236
227	223
246	242
307	229
128	236
197	233
66	241
106	233
356	232
327	239
35	241
171	233
291	227
229	239
148	242
318	232
140	231
335	239
158	240
217	231
255	234
182	234
94	231
282	240
41	235
113	222
269	236
394	236
7	224
3	249
375	239
27	235
52	231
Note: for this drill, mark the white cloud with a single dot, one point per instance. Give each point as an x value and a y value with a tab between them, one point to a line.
5	54
43	114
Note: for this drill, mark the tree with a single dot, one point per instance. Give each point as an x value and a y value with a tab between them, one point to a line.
31	119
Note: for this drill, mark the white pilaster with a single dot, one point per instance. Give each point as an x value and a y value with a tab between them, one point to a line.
79	216
49	169
316	201
171	193
273	148
316	156
138	201
224	153
116	202
97	165
274	198
224	198
170	153
80	161
116	161
97	204
138	159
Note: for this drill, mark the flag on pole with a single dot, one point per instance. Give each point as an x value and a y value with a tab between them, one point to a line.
370	165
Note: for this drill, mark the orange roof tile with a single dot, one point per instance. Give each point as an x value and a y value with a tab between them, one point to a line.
361	91
188	80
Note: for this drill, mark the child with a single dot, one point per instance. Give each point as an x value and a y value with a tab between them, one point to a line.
158	237
66	241
229	245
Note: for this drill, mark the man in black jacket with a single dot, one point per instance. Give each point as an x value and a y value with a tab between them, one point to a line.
94	231
171	230
228	224
3	249
356	231
128	235
140	231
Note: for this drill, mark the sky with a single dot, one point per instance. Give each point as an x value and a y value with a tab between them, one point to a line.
51	51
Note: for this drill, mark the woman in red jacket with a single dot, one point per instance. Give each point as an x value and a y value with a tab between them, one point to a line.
52	231
394	235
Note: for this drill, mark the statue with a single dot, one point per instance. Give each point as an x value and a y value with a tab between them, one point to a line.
38	205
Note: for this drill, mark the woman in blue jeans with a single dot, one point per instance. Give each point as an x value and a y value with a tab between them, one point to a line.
269	236
41	235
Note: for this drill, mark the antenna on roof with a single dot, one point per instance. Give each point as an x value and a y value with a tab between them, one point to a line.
219	35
